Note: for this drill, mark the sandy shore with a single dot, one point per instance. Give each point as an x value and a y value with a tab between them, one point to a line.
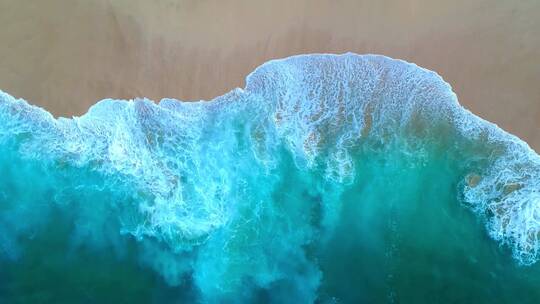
65	55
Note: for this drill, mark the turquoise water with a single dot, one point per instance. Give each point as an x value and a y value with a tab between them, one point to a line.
327	179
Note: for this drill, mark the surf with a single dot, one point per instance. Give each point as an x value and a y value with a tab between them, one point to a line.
268	193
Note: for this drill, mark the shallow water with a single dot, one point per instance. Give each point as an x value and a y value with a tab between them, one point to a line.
329	179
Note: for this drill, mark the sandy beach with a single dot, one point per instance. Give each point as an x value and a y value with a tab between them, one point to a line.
65	55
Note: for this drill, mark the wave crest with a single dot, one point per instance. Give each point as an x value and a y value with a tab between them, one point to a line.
201	178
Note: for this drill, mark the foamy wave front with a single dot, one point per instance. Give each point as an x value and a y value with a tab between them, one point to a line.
239	188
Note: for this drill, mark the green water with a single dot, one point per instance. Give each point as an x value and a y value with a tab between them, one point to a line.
405	238
402	236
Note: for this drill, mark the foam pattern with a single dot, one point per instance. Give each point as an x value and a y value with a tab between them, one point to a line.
242	190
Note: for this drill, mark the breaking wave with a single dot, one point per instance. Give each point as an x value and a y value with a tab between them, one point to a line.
246	196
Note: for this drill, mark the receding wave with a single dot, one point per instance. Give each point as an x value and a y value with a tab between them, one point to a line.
325	170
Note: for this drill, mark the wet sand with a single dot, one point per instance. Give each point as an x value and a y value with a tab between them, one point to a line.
65	55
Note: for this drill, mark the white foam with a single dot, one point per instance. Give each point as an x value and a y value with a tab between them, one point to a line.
186	156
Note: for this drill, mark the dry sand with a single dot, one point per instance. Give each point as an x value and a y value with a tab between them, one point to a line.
65	55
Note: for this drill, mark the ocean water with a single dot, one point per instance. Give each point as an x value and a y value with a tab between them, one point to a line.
327	179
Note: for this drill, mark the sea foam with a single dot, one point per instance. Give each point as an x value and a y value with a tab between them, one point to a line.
240	193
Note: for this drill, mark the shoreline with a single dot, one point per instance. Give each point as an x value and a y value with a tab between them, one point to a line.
64	56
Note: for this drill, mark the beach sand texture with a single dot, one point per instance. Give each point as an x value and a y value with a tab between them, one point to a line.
65	55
